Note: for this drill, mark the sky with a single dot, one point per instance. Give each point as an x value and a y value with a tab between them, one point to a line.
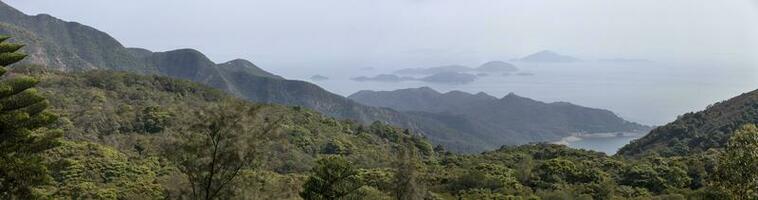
704	50
317	34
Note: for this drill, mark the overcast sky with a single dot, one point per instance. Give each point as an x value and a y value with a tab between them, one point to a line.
308	33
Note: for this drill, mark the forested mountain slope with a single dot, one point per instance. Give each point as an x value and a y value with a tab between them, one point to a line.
699	131
118	126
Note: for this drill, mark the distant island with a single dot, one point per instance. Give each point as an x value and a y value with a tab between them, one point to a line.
488	67
450	78
319	78
442	77
383	78
497	66
547	56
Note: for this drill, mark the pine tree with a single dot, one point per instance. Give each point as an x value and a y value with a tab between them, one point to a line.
214	152
333	178
23	129
407	187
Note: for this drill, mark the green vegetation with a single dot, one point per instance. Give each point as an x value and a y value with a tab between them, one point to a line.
24	129
737	167
694	133
213	152
123	126
134	137
333	178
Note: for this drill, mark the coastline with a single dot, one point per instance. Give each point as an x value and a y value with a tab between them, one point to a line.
577	137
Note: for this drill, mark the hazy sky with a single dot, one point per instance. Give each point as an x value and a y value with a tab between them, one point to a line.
307	33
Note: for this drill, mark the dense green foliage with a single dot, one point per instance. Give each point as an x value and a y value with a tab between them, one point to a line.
124	116
738	166
700	131
213	152
24	129
125	121
333	178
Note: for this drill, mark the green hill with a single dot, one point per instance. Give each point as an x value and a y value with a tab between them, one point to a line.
118	124
499	121
697	132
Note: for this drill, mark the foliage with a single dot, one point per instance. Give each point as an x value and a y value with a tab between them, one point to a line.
111	109
697	132
738	166
215	150
24	129
406	183
85	170
333	178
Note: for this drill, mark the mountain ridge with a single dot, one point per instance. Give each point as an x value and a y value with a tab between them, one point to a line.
500	120
697	132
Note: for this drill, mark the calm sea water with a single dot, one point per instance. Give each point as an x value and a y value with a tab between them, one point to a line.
607	145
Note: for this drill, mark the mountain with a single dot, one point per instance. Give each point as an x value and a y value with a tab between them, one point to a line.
497	66
117	124
511	119
70	46
64	45
488	67
449	78
547	56
697	132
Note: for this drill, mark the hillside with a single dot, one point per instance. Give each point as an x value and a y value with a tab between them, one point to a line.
508	120
70	46
117	125
699	131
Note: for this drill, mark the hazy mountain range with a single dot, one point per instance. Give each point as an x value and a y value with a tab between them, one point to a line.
70	46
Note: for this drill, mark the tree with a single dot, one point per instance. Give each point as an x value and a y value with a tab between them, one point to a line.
333	178
24	129
406	164
214	151
737	169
